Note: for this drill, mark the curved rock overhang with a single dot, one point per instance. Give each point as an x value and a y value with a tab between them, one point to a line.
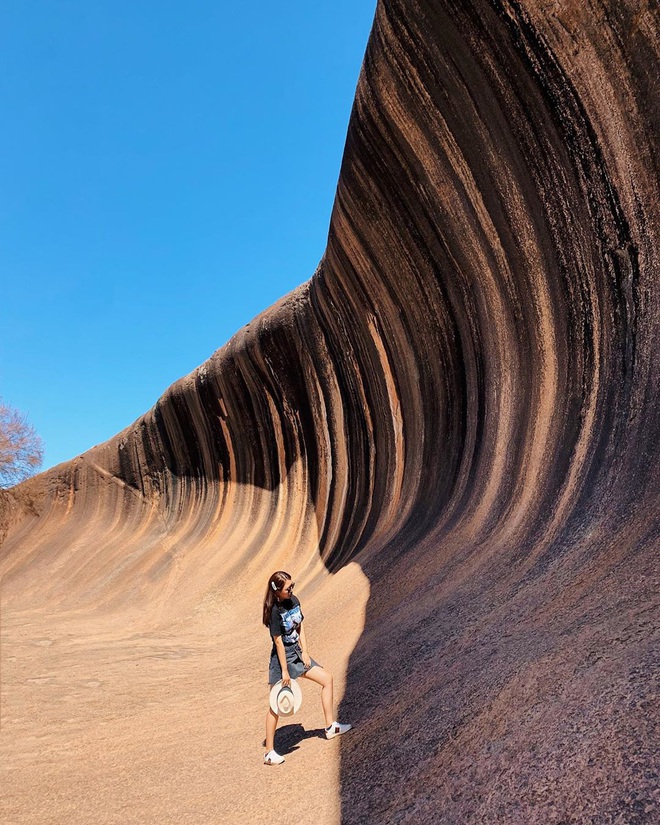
463	399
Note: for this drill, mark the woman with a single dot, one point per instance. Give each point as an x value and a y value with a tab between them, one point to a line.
289	658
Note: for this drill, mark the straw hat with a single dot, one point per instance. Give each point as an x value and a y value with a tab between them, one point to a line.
285	701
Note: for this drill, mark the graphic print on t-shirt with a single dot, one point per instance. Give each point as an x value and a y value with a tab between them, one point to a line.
286	622
291	620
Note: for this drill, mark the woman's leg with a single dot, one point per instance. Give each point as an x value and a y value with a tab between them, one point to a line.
323	678
271	724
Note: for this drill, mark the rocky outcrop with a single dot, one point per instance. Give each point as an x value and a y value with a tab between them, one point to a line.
463	399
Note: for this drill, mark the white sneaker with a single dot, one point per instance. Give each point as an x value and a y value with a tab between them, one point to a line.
336	729
273	758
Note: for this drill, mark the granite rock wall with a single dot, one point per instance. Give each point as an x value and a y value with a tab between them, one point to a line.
463	399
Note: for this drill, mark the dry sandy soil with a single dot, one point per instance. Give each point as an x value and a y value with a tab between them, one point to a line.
104	721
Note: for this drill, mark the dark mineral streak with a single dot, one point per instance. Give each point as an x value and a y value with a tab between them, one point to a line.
464	400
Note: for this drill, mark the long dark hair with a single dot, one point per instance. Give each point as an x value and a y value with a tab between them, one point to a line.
275	582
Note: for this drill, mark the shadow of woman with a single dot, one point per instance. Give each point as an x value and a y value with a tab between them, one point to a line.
289	737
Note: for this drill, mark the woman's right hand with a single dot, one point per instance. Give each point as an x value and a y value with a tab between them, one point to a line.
286	679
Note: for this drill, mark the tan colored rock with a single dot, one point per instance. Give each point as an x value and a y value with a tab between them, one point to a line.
450	437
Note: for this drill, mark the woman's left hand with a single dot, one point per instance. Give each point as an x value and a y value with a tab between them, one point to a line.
307	660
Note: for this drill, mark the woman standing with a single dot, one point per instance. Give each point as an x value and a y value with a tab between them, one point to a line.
289	658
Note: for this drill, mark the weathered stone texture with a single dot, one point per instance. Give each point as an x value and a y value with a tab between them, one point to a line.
464	400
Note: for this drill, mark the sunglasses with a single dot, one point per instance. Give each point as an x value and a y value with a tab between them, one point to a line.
289	589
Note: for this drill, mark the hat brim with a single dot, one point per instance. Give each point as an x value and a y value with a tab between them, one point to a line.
297	698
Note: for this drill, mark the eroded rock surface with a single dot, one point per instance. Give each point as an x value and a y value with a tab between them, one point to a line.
463	400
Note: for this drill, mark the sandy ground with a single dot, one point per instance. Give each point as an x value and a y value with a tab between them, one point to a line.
106	722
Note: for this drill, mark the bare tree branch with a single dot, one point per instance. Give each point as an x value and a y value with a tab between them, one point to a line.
21	449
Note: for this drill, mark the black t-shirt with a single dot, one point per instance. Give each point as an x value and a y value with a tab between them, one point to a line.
285	620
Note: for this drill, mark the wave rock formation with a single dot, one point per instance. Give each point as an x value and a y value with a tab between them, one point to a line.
464	400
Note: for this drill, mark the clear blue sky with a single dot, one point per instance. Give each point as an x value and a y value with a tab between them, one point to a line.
167	171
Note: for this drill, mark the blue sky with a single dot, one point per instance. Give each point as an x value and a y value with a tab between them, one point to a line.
167	171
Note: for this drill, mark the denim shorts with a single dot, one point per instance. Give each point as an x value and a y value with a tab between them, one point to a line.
294	663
